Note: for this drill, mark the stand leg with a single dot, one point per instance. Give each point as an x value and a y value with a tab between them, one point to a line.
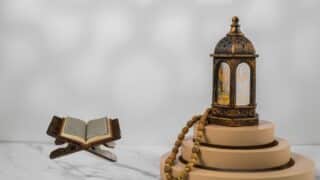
69	149
59	142
111	144
103	153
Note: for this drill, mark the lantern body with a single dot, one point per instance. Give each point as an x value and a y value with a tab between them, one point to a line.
234	80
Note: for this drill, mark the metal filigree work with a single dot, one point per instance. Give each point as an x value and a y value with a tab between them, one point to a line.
234	112
234	45
233	50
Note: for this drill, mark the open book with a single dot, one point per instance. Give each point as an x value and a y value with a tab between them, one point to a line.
80	135
87	132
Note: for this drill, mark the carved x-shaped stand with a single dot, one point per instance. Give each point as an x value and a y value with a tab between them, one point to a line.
72	148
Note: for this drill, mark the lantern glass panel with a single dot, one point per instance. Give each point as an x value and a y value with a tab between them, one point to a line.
223	84
243	84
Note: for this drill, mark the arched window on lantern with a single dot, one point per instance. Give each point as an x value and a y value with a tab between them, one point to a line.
223	84
243	79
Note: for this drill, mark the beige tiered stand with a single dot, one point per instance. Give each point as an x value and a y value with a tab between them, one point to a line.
220	161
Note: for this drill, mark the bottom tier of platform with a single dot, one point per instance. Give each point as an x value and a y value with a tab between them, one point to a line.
302	169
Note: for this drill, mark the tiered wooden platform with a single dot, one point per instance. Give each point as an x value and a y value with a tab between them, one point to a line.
243	153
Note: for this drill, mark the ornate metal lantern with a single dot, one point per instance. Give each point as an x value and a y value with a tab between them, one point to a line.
234	80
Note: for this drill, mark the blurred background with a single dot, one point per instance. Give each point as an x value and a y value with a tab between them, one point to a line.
147	63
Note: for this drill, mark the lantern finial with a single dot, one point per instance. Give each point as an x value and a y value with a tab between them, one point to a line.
235	26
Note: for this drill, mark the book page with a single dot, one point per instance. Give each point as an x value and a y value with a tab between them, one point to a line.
74	129
97	130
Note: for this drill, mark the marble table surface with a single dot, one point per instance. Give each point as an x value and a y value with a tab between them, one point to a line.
23	160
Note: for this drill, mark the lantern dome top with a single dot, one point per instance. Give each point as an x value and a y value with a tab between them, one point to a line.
234	44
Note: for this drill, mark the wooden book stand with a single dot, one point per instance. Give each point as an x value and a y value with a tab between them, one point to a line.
55	130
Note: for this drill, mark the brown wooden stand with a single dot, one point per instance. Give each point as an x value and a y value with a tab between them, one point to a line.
54	130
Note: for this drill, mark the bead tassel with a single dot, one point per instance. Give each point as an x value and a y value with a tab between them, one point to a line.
195	149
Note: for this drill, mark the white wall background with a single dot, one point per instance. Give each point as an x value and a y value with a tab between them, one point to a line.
147	63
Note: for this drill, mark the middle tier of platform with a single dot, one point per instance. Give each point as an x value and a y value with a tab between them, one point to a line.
240	159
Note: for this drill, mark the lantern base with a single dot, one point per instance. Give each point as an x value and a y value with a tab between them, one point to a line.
234	121
233	116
